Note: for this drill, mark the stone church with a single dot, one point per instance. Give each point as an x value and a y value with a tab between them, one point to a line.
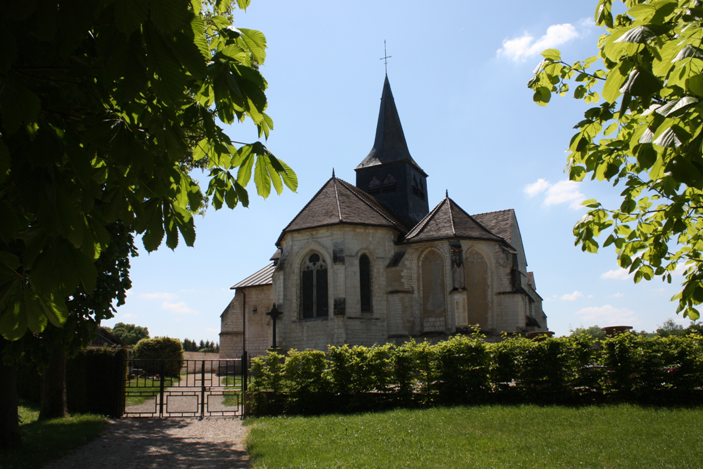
371	263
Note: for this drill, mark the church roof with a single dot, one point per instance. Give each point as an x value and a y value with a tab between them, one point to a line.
390	145
257	279
339	202
448	220
500	223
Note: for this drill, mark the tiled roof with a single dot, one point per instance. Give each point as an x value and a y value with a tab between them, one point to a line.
448	220
338	202
390	145
257	279
500	223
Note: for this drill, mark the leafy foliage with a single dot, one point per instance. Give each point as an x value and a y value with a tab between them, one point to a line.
151	353
579	369
104	108
129	334
646	136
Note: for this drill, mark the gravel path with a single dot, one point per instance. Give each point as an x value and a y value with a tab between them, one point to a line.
214	442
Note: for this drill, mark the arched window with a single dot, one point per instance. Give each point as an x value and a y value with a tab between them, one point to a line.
314	287
477	288
365	283
433	305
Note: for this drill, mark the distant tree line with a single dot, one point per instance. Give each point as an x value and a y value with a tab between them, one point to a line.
129	334
667	329
203	346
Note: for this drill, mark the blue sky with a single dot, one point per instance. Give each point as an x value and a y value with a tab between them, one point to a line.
458	72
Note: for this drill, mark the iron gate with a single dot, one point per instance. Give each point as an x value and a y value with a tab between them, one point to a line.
184	388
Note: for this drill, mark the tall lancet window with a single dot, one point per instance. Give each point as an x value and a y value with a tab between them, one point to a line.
365	283
314	287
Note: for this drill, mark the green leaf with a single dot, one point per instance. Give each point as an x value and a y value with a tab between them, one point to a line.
55	309
169	15
130	14
256	42
695	85
640	82
542	96
18	105
611	88
637	35
552	54
262	180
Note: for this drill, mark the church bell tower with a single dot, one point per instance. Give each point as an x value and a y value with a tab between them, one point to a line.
389	173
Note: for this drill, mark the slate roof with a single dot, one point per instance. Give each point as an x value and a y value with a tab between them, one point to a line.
339	202
500	223
390	145
448	220
257	279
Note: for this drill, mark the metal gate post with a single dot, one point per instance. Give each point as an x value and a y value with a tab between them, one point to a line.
202	389
161	389
245	371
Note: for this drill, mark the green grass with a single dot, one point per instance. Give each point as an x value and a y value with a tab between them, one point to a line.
233	383
147	388
50	439
483	437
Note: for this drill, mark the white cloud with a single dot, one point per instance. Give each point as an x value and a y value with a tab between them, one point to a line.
616	295
210	329
617	274
681	267
158	296
608	316
537	187
559	193
572	296
520	48
589	296
128	316
179	308
564	191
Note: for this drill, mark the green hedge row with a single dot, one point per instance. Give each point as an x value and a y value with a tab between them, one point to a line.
467	370
95	380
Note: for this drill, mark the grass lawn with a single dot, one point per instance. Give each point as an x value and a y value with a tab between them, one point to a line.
146	389
50	439
622	436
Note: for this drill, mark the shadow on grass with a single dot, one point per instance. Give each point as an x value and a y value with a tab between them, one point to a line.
50	439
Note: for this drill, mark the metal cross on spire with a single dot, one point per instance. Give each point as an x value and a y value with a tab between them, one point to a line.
385	59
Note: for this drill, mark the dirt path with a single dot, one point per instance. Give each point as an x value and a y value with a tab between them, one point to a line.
215	442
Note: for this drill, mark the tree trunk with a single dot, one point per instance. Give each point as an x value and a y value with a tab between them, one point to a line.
9	415
53	390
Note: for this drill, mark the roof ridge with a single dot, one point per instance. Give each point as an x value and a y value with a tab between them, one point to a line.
417	229
451	215
336	196
494	211
480	224
305	206
348	186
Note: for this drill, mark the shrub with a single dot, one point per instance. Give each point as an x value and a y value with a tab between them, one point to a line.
151	352
466	370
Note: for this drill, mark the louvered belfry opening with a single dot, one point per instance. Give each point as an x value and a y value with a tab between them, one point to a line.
314	287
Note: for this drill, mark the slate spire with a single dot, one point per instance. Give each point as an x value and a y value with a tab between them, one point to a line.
390	145
389	173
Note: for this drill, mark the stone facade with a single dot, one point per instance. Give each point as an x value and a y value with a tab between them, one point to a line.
449	273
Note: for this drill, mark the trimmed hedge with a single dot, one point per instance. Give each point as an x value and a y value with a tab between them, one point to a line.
150	352
467	370
95	380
